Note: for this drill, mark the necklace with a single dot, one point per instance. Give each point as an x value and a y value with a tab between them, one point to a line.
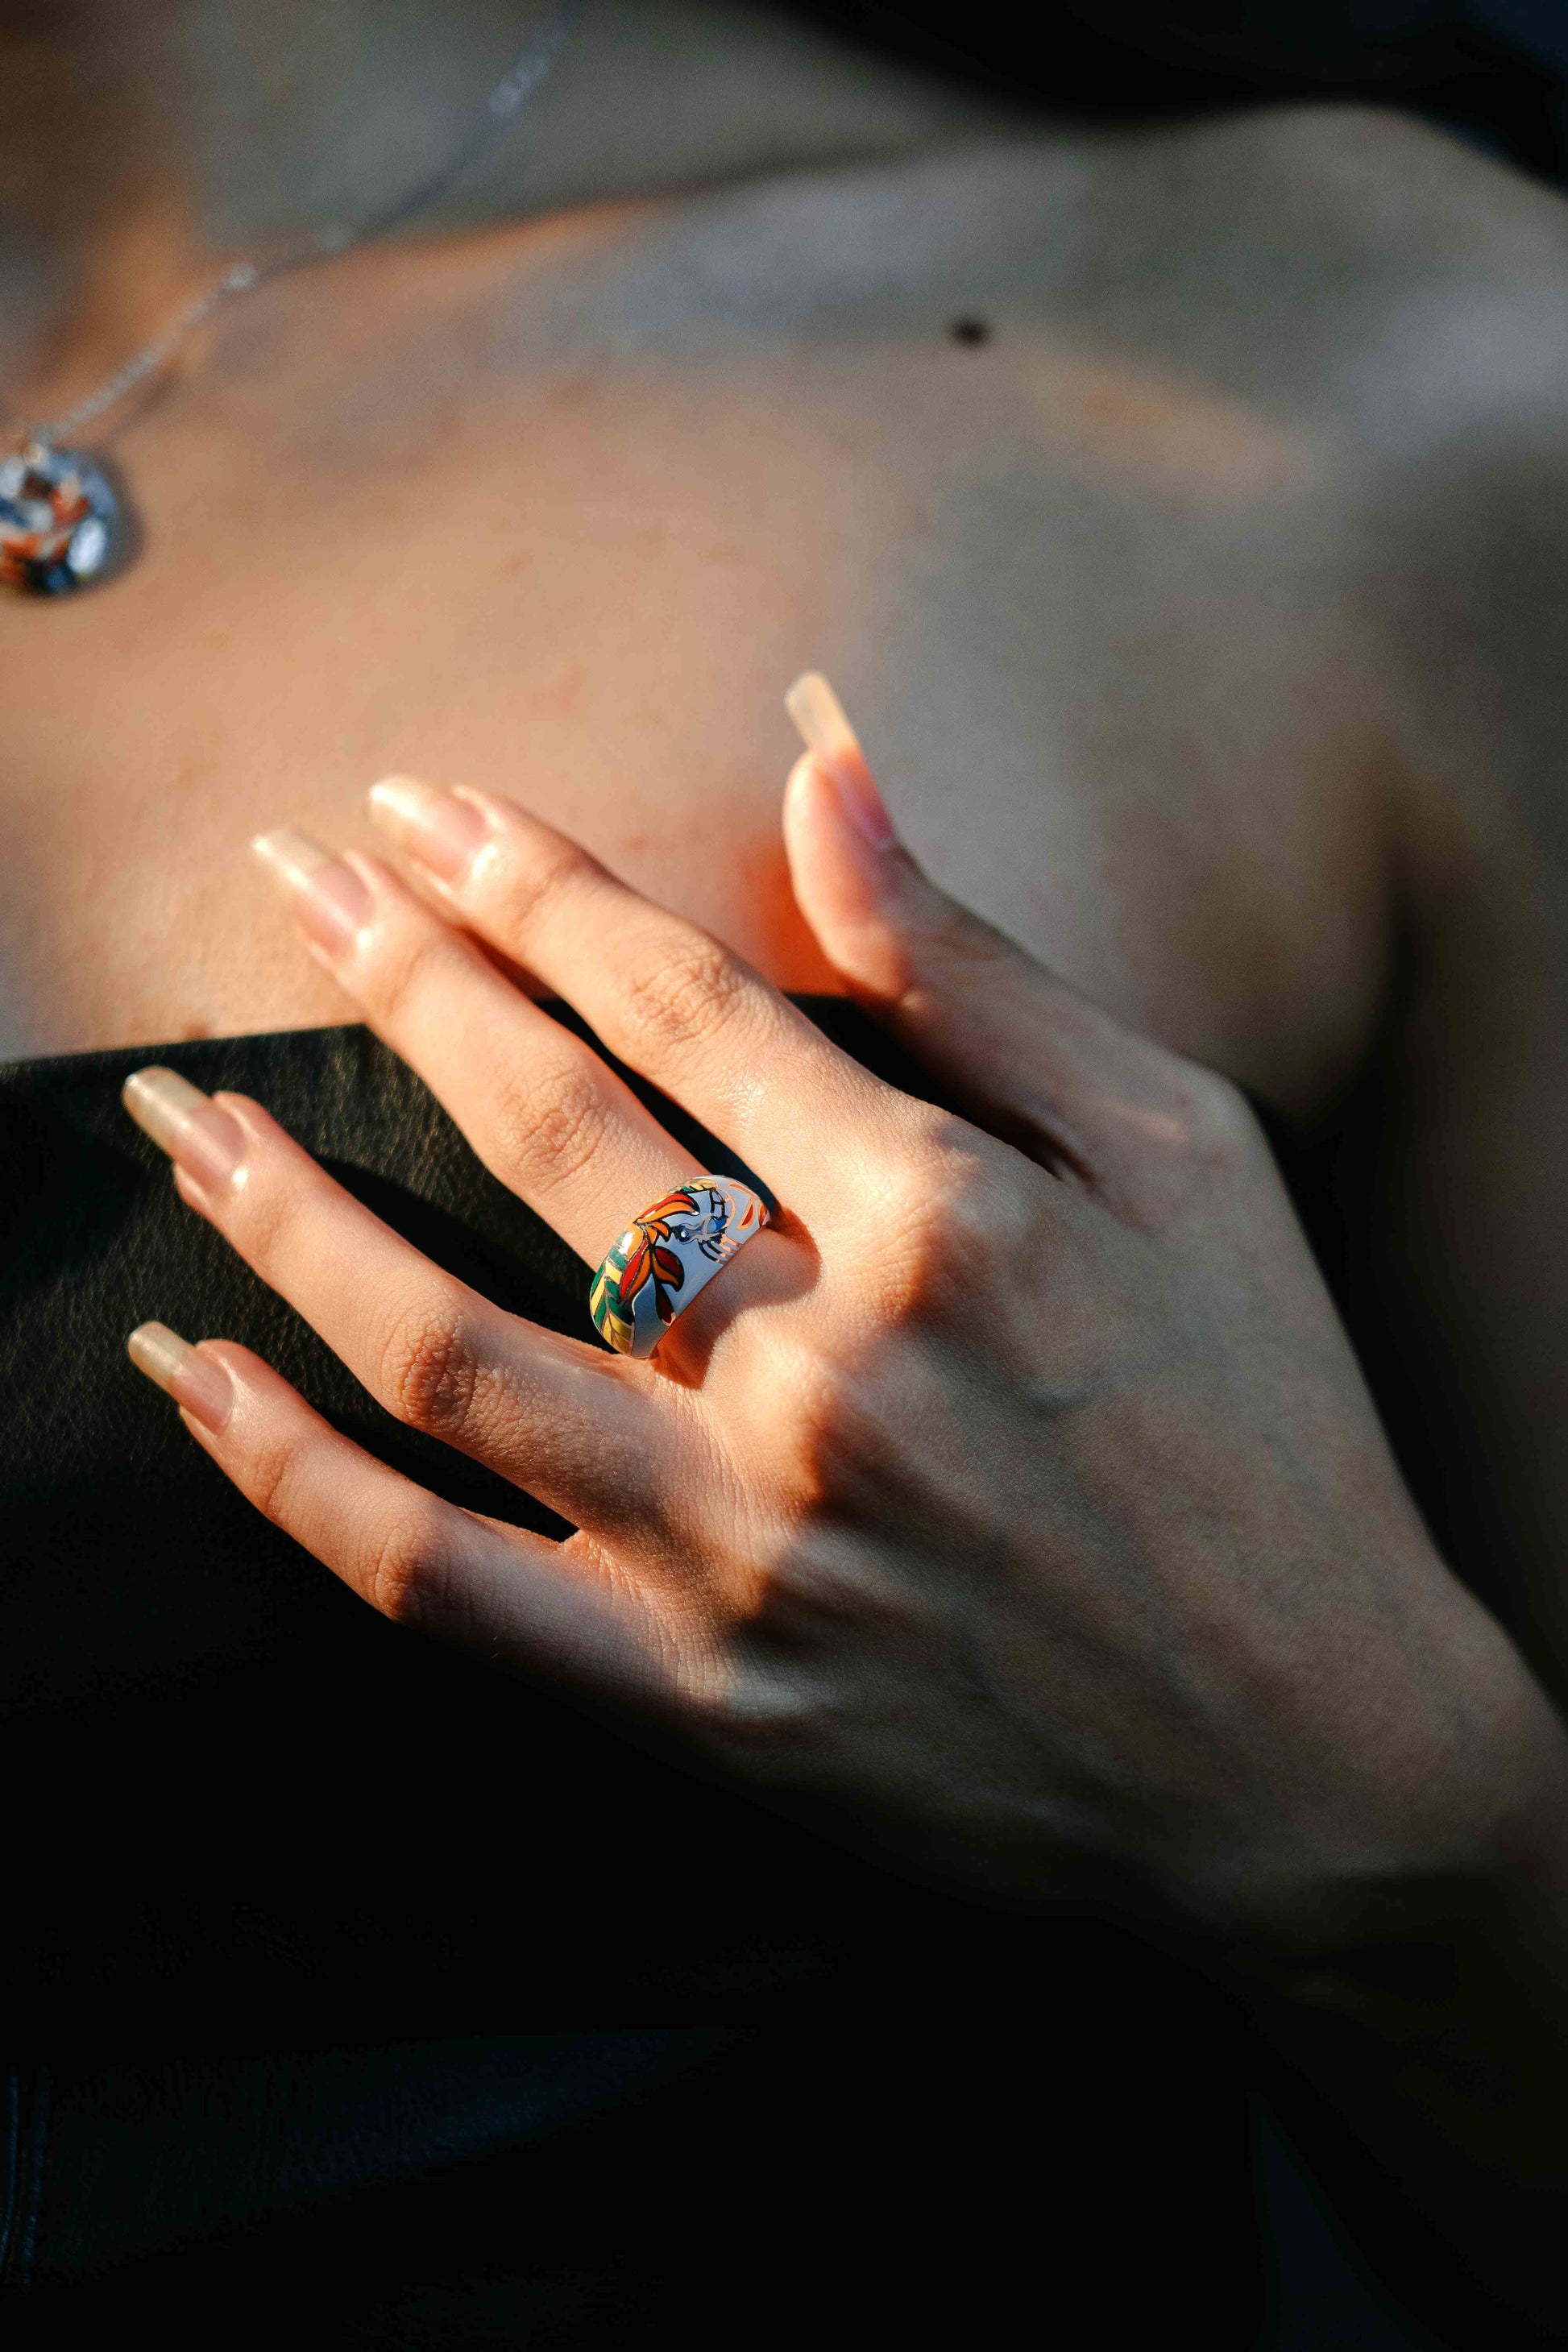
62	521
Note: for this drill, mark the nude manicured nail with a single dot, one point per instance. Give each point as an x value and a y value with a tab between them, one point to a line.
435	827
188	1125
824	730
197	1382
328	899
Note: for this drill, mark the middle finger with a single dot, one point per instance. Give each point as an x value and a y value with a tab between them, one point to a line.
669	1000
546	1115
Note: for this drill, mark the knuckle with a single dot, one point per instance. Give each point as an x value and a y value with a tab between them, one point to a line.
407	971
428	1374
553	1120
960	941
529	883
964	1263
966	1214
1186	1142
761	1717
270	1478
266	1211
1215	1130
687	997
401	1579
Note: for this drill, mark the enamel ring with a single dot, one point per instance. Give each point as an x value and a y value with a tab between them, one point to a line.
667	1255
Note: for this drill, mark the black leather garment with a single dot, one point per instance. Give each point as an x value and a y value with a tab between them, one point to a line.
352	1987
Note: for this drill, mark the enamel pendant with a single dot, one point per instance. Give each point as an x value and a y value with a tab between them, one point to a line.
58	521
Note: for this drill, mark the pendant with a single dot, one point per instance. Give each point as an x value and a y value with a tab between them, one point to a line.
60	520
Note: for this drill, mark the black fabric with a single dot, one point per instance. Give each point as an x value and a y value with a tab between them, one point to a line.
1492	71
342	1974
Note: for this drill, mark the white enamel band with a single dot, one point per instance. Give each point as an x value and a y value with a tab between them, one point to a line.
667	1255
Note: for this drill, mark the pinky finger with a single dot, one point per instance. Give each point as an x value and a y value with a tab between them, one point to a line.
516	1598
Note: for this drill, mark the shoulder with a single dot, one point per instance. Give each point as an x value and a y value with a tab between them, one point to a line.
1274	245
1356	263
1333	258
1345	183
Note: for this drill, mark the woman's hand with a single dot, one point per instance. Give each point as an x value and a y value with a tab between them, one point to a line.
1015	1497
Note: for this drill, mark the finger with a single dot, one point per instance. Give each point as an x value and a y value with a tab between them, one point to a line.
509	1594
543	1112
667	997
1037	1062
573	1426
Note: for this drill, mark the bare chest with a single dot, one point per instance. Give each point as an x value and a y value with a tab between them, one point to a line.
1079	662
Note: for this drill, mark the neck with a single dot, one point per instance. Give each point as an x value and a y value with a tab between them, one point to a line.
142	147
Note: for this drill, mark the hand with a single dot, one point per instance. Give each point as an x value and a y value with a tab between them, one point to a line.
1013	1499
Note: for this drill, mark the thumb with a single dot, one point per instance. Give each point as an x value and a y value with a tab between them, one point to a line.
1037	1063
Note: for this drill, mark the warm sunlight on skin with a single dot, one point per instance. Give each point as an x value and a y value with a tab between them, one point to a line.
549	509
1182	512
1121	420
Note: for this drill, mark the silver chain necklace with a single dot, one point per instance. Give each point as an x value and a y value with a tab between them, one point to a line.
62	522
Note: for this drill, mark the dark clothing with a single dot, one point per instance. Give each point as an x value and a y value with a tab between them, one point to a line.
352	1985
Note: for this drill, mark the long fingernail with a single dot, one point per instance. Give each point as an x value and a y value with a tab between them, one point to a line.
824	730
188	1125
198	1382
439	830
330	900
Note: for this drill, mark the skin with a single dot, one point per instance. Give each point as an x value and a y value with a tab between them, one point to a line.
1014	1510
1204	621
